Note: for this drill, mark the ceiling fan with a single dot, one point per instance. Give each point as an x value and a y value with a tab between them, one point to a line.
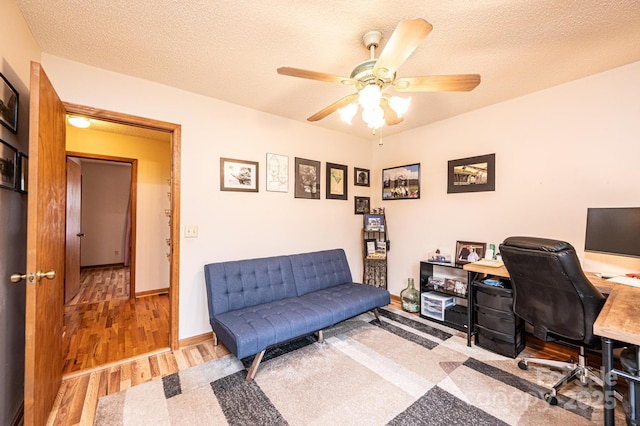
371	78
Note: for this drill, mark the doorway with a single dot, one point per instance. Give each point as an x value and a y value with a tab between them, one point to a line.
164	300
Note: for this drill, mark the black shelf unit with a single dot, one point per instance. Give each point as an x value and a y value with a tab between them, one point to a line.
449	274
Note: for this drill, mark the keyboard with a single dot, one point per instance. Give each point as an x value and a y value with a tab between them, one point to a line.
634	282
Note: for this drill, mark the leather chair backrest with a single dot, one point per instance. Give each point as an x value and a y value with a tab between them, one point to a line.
550	289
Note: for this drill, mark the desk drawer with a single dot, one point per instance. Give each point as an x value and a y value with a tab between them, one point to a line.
497	298
501	343
495	320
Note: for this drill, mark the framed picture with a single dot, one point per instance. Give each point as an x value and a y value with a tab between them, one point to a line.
360	177
467	252
370	247
473	174
401	183
22	177
8	105
8	159
307	176
336	181
361	205
238	175
277	173
374	223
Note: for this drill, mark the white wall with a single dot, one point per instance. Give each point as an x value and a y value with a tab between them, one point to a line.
232	225
558	152
17	49
105	199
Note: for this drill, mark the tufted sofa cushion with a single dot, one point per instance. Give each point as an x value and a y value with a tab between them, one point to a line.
319	270
242	283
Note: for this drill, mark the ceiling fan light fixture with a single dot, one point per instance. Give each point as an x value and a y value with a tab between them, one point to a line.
348	112
399	105
374	117
369	97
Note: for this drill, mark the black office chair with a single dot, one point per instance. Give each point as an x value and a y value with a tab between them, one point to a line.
552	293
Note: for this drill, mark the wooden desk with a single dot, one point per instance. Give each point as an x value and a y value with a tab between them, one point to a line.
618	320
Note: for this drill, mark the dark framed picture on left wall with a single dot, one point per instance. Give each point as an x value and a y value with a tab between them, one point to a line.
8	105
8	159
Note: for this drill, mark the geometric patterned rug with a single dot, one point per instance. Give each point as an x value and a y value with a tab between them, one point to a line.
407	371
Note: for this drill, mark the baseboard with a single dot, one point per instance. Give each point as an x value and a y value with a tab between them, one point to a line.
18	418
395	298
108	265
156	292
194	340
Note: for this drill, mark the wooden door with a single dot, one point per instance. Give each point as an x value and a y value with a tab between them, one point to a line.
45	249
73	241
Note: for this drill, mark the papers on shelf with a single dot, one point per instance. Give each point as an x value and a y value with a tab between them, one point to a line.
634	282
489	262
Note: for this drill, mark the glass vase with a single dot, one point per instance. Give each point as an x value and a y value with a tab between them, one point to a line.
410	298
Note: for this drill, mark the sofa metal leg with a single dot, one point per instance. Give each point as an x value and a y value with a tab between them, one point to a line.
254	367
320	337
377	315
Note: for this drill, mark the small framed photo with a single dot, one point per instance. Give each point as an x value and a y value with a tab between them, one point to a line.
468	252
238	175
277	173
8	162
370	247
361	205
8	105
473	174
360	177
401	183
307	176
22	177
336	181
374	223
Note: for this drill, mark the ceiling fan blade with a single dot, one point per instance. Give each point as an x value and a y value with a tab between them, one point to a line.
437	83
314	75
404	40
333	107
390	116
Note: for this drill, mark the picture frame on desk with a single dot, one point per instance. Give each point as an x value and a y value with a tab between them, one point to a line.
469	252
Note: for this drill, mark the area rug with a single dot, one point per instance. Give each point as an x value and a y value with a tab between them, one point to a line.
406	371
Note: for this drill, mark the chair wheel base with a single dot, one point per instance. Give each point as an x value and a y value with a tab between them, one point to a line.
523	365
551	400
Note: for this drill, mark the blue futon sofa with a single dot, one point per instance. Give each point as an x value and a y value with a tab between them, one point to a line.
258	303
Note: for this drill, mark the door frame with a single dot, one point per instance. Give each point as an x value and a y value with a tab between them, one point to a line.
133	190
174	249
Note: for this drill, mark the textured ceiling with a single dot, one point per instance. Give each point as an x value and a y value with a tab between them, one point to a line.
230	50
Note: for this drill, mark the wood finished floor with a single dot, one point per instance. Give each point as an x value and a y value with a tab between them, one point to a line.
79	393
102	325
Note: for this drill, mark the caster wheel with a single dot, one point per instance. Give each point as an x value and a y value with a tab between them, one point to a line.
523	365
551	400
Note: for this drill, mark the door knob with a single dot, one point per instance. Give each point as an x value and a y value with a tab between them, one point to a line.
16	278
48	275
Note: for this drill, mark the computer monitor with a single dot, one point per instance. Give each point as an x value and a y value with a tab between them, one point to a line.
613	231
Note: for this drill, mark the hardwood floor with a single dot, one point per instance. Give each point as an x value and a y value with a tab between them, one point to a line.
79	393
102	325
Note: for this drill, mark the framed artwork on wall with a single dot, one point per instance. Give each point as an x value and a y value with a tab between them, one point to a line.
361	177
22	177
277	173
238	175
473	174
401	183
8	105
336	181
8	159
361	205
307	179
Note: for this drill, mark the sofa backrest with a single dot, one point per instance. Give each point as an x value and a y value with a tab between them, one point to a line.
320	270
242	283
